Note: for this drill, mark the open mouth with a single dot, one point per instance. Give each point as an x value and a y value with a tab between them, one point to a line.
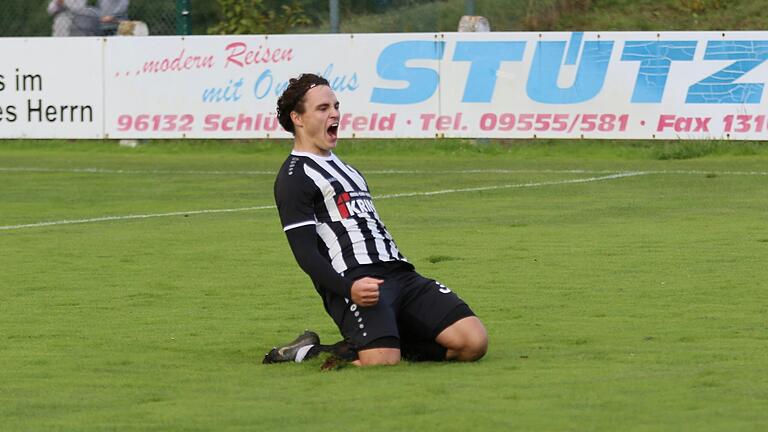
333	130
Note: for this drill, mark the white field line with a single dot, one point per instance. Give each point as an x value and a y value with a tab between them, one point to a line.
128	217
400	195
518	185
466	171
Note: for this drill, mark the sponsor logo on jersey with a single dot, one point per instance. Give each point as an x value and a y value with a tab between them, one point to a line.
341	203
353	204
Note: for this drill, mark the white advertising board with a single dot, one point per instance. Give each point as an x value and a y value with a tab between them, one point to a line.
51	88
612	85
227	87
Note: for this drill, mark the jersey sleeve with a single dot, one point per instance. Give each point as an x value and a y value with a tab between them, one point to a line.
294	193
303	242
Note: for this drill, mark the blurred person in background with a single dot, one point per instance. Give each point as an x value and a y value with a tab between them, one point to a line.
73	18
111	12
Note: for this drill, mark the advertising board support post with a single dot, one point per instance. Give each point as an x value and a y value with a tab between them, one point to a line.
183	13
473	23
139	28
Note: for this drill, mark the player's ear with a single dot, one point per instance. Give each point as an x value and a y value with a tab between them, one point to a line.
296	118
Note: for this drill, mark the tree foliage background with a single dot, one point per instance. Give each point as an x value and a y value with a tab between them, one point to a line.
256	17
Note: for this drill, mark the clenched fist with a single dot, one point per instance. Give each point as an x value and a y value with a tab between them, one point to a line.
365	291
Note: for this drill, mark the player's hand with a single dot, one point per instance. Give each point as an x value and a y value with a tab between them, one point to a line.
365	291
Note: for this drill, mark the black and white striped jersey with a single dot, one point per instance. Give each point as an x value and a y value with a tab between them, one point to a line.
334	198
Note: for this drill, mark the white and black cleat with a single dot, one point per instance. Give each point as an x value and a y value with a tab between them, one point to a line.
287	352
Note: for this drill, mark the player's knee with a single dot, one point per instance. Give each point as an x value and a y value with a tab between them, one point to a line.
475	345
473	348
478	347
466	340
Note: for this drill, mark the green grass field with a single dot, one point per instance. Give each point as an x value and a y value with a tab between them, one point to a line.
634	303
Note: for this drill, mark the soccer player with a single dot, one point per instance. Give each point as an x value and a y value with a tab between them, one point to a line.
383	308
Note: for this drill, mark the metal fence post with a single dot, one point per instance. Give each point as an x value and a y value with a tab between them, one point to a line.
469	7
333	9
183	26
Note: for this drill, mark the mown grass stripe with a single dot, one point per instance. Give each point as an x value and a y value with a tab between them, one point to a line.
265	207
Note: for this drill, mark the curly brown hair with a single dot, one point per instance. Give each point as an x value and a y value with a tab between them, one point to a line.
292	98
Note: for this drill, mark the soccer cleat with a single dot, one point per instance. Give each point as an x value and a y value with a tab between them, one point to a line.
287	352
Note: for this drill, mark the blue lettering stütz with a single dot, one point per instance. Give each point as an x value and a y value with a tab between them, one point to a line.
590	76
655	59
590	60
574	46
422	82
228	93
485	58
719	88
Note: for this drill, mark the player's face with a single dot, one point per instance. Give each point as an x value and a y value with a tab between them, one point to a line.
317	127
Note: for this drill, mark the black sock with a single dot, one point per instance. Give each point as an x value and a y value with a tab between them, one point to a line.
422	351
341	349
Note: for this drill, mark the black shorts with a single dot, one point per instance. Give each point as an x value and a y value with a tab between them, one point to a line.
411	307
